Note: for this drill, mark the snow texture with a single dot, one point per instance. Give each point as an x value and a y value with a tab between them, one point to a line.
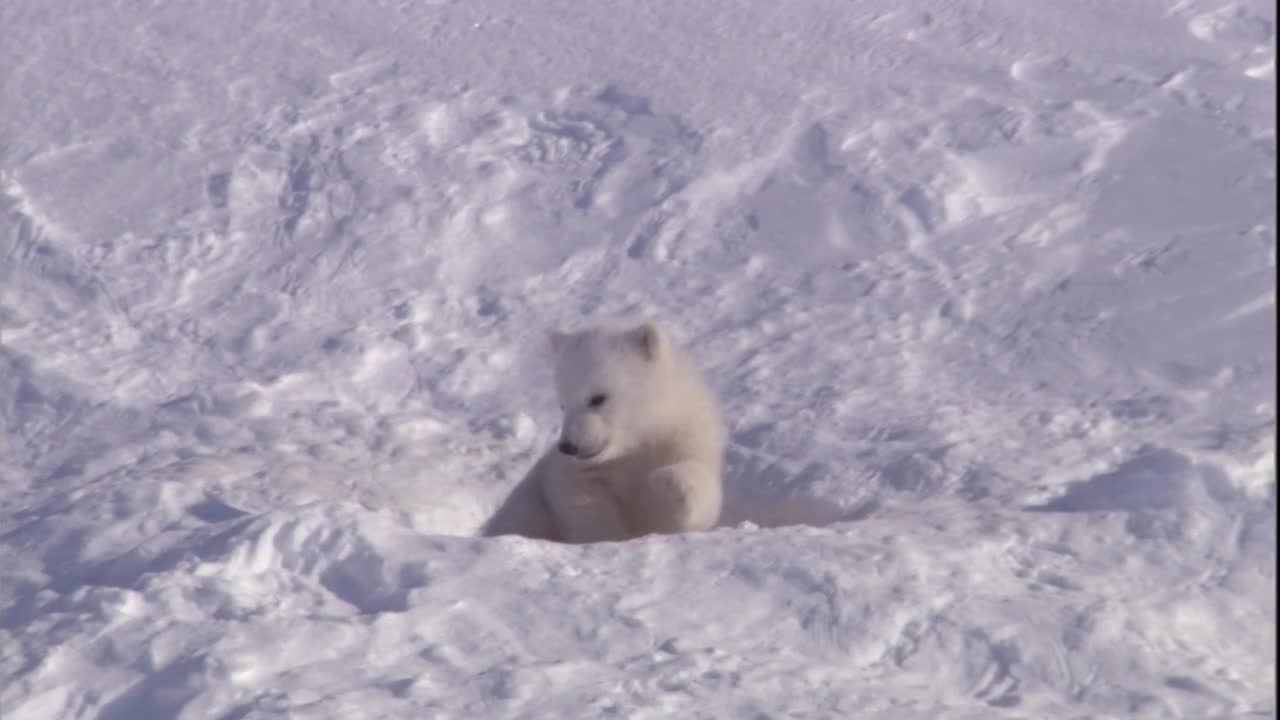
987	290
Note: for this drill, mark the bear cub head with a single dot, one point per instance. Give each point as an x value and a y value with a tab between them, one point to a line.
610	386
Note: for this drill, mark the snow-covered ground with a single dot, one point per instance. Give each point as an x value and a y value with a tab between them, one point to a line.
991	281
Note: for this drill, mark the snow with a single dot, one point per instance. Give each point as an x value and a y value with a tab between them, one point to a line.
987	289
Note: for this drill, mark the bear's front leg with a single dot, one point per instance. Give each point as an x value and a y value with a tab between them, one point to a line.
585	510
682	497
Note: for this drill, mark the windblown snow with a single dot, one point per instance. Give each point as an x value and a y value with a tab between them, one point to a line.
987	290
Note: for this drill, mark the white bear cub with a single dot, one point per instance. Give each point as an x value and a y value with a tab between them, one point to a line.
640	448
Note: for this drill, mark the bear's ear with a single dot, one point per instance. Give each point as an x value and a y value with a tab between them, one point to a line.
648	339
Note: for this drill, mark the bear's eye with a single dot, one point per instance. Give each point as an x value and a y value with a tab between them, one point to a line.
597	400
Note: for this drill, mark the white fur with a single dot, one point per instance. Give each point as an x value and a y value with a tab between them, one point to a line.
648	457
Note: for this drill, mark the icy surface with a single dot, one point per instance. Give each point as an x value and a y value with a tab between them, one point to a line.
988	290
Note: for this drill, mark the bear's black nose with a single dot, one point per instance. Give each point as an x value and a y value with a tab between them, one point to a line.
568	448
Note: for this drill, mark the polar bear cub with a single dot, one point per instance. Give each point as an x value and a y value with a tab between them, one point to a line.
640	447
